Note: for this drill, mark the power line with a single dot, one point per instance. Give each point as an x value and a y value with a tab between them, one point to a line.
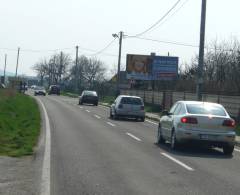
164	21
106	47
160	20
179	43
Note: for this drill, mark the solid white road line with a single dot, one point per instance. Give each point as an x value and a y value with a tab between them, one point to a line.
45	182
81	107
111	124
178	162
134	137
237	150
97	116
151	122
87	111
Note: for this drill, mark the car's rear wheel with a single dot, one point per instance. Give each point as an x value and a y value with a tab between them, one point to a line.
160	139
111	115
228	149
142	119
174	143
96	104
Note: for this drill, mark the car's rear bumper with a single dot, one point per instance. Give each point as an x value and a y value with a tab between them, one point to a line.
90	101
130	114
206	137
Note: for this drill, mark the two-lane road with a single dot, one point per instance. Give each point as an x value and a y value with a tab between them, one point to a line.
92	154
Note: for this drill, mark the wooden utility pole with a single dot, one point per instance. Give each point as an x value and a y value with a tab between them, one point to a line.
17	62
201	51
5	66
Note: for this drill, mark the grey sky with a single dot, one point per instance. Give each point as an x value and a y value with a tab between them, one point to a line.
55	24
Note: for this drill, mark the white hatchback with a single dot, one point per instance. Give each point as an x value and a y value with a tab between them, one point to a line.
128	106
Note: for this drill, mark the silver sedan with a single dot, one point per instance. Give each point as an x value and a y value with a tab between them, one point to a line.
194	121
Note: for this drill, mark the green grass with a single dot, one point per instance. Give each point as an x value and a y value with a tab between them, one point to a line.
19	124
238	130
107	99
152	108
73	95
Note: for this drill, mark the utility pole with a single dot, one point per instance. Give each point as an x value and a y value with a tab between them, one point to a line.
17	62
61	66
5	66
201	51
76	72
119	61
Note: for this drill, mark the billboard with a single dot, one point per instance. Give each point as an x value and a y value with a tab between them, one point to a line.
147	67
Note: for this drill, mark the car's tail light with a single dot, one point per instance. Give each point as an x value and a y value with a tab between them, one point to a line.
229	123
120	106
189	120
142	107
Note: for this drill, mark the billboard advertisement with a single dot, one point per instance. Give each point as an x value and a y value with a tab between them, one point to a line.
147	67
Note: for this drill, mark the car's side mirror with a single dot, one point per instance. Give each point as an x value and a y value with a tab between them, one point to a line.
165	113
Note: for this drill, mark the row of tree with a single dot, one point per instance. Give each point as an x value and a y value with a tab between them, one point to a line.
73	75
221	72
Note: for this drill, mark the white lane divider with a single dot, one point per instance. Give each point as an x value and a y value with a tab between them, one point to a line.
237	150
45	180
87	111
81	107
177	161
151	122
133	136
98	117
111	124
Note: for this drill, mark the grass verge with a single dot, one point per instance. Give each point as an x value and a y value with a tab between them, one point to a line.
238	130
19	123
73	95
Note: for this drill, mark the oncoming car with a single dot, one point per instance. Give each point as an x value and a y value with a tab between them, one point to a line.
194	121
38	90
128	107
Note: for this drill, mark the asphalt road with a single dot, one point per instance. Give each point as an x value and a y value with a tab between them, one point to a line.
92	154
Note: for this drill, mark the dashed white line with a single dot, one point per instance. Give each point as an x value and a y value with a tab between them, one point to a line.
87	111
151	122
237	150
81	107
134	137
178	162
111	124
45	182
97	116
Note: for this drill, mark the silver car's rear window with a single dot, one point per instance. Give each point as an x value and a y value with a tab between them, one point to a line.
130	100
208	109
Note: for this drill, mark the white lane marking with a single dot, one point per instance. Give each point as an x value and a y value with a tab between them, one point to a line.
97	116
237	150
81	107
134	137
178	162
111	124
45	182
151	122
87	111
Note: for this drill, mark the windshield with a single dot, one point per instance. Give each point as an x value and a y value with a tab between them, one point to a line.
91	93
208	109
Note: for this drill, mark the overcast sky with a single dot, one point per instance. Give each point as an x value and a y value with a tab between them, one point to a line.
45	25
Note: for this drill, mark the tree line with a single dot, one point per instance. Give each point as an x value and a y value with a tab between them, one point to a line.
61	69
221	71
